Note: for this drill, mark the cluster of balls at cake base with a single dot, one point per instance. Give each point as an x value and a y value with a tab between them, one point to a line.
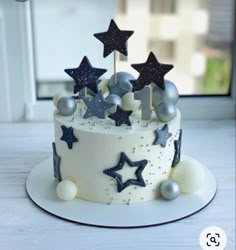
186	177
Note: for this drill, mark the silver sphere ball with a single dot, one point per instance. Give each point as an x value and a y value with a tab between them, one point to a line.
166	111
66	106
114	99
120	79
169	94
169	189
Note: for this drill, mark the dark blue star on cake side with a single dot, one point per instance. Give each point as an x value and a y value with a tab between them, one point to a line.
177	155
68	136
56	163
85	76
120	184
121	116
150	72
96	106
162	135
114	39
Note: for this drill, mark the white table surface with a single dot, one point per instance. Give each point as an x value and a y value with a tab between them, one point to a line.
25	226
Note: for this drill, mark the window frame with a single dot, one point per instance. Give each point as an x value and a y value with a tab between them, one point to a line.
192	107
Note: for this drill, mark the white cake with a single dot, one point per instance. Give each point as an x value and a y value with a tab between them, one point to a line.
118	140
99	147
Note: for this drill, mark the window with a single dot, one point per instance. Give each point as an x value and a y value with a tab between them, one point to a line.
197	45
165	50
122	6
63	35
155	7
122	58
53	36
163	6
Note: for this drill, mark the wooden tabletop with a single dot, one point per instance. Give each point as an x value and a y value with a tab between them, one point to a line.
25	226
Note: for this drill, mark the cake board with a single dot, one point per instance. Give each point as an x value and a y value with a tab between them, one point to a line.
41	188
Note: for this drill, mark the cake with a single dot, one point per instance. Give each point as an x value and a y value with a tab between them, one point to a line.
118	140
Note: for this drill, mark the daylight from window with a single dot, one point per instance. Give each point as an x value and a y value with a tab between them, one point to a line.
195	36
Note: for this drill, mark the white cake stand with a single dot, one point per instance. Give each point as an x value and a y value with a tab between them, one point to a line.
41	188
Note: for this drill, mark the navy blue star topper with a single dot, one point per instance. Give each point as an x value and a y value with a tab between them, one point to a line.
96	106
177	155
120	184
150	72
121	116
68	136
85	76
114	39
162	135
56	163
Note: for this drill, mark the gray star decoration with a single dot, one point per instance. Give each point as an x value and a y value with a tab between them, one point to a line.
56	163
120	184
177	155
162	135
96	106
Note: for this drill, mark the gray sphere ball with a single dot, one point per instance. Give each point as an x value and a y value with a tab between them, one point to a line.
122	79
166	111
169	94
170	189
114	99
66	106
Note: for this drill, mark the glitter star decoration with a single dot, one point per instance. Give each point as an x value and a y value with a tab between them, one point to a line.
177	144
162	135
121	116
150	72
85	76
114	39
68	136
96	106
120	184
56	163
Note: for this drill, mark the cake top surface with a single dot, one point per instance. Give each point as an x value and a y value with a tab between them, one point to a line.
107	126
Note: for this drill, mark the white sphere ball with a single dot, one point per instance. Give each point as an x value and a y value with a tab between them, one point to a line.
129	103
189	174
66	190
103	84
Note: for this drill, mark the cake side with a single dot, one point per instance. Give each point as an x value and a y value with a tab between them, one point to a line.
99	148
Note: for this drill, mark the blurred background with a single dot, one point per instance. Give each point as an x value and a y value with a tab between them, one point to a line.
196	36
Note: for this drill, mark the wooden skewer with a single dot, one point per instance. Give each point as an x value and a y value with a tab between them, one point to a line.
115	66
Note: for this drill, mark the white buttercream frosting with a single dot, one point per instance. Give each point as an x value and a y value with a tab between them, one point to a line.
98	148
